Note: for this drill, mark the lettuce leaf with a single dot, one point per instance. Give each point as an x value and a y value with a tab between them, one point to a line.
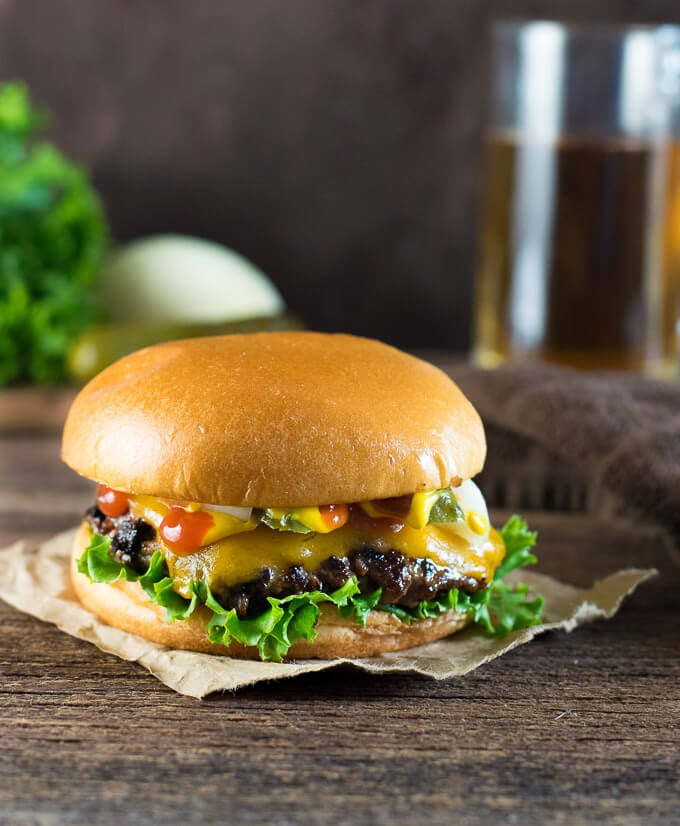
274	631
359	606
498	609
519	541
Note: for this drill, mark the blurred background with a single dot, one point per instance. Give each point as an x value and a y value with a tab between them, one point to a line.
339	146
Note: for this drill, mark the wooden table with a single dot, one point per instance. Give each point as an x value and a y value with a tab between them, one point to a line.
570	729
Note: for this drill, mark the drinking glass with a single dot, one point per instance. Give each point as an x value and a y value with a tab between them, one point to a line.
580	242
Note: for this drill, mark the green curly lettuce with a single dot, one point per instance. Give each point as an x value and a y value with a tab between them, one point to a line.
273	632
53	240
498	609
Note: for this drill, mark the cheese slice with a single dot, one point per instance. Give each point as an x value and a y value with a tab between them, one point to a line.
236	550
240	558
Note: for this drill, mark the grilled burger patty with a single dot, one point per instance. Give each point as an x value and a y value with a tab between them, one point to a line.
404	581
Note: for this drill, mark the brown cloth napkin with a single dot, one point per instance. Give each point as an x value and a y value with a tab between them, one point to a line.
600	442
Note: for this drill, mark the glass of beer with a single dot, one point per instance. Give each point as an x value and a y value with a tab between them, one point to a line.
580	243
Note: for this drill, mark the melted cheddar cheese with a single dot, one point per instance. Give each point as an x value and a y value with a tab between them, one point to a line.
240	558
234	550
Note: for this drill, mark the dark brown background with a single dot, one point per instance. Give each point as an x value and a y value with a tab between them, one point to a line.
335	143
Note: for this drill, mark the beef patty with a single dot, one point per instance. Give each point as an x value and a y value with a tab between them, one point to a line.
404	581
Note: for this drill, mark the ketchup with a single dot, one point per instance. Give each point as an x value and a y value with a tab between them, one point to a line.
334	516
112	502
183	531
397	506
360	519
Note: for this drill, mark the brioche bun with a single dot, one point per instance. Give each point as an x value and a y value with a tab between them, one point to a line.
273	420
270	420
124	605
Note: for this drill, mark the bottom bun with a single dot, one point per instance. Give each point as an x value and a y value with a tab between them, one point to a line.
124	605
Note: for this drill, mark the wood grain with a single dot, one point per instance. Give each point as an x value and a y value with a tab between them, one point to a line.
34	408
574	728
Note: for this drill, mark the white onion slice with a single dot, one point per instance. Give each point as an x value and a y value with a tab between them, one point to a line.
471	500
239	513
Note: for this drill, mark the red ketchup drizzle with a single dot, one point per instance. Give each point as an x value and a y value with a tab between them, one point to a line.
397	506
112	502
334	516
376	524
183	531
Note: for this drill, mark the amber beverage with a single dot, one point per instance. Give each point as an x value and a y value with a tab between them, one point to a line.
579	259
579	254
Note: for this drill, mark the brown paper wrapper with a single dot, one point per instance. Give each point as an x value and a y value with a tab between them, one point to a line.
36	580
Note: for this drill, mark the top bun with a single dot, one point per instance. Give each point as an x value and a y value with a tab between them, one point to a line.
273	420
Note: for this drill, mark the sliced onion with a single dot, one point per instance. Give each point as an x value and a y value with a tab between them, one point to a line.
239	513
471	500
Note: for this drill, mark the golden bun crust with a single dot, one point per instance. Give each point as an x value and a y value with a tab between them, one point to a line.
273	419
124	605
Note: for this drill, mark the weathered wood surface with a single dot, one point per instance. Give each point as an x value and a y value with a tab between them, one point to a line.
38	408
574	728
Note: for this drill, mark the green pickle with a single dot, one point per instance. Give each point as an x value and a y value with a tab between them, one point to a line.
100	346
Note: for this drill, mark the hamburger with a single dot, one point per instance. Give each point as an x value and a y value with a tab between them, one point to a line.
288	495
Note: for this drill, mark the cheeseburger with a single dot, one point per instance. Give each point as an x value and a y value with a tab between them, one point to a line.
287	495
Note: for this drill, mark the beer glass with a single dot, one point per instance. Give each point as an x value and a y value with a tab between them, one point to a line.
580	242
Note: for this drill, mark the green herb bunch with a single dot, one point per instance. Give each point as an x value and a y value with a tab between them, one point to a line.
53	239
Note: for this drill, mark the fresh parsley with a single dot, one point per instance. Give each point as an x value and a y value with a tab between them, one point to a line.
499	609
53	239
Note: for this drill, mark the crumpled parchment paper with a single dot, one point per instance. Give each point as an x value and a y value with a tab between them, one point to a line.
36	580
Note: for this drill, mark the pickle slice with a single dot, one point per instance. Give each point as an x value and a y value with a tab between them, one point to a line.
100	346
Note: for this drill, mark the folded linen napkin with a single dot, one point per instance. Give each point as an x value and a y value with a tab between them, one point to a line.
601	442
